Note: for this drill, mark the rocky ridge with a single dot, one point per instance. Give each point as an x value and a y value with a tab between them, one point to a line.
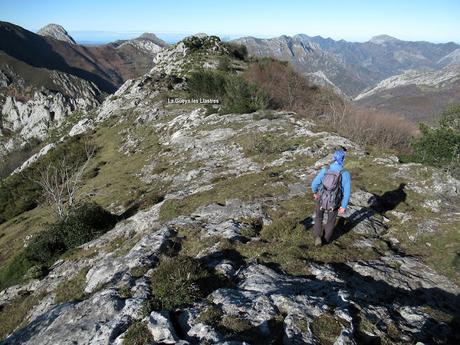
440	79
222	196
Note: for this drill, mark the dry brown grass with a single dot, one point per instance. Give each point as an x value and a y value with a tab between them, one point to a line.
286	88
291	91
371	127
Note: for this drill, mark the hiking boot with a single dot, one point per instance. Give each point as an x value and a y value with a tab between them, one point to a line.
318	241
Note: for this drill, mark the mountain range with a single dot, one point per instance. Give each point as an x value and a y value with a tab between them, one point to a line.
46	76
355	68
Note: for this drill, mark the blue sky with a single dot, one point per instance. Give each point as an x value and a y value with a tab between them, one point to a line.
431	20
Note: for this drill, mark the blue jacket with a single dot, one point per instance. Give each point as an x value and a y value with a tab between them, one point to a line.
346	182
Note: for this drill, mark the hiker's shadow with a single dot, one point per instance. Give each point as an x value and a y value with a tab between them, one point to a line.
378	204
388	201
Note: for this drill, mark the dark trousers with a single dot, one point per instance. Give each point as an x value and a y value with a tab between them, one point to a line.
330	224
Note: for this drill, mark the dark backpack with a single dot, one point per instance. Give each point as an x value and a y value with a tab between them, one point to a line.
330	194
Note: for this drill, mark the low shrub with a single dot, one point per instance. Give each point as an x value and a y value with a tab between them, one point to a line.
138	334
235	94
206	84
83	224
211	315
178	282
241	97
440	146
285	88
237	51
326	329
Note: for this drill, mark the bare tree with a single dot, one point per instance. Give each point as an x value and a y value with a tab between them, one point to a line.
338	110
60	181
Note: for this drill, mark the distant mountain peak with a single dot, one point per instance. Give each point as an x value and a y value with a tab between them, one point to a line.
148	36
382	39
57	32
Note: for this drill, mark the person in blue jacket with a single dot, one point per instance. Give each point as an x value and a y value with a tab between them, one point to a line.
335	166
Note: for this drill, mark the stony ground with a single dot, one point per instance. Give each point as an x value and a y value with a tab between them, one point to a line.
231	181
234	194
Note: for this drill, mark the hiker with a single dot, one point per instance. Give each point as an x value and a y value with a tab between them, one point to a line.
331	188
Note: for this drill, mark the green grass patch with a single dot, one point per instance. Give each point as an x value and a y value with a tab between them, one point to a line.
326	329
138	334
178	282
72	289
211	315
117	172
247	187
15	231
14	313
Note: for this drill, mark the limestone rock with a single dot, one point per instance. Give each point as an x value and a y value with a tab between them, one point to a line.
161	328
57	32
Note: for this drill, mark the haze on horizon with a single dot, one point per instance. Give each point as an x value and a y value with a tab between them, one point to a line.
352	20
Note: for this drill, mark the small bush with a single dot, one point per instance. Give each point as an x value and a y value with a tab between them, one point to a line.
178	282
440	146
138	334
206	83
238	51
241	97
211	315
224	64
235	94
83	224
285	88
326	329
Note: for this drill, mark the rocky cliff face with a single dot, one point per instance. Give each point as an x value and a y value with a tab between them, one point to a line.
235	197
57	32
29	109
